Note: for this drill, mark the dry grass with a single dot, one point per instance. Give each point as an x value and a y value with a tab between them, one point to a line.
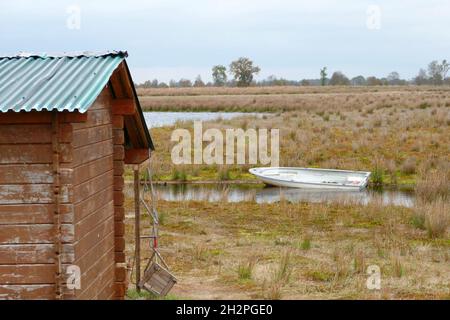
278	99
434	184
245	269
212	249
205	91
433	217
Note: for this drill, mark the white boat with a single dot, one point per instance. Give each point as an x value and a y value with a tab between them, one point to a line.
312	178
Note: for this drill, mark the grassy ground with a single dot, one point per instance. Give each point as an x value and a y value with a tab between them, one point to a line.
299	251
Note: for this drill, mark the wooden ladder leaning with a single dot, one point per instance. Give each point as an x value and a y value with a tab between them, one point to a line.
157	278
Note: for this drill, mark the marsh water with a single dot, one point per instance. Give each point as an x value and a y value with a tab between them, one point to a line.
241	193
161	119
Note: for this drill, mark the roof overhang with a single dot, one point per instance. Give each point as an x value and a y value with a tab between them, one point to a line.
126	103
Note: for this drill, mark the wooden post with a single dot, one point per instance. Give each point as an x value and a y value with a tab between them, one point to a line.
56	212
137	224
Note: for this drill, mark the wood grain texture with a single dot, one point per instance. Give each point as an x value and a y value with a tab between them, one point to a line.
27	291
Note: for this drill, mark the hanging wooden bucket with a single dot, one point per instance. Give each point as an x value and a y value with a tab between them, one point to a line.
157	280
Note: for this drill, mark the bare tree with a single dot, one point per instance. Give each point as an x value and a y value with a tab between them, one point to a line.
358	81
393	77
434	72
184	83
199	82
243	71
421	78
339	79
445	66
219	74
323	76
305	83
374	81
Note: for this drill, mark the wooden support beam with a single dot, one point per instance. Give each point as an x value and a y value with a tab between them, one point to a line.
117	122
57	200
123	107
137	231
74	116
136	156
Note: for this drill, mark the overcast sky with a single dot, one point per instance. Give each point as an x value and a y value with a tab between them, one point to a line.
173	39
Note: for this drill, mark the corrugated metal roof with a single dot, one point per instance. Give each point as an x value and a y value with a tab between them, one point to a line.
62	82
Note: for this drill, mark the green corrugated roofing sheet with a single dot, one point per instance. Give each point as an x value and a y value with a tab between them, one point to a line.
65	82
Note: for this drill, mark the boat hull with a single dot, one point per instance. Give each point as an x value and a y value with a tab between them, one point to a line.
294	179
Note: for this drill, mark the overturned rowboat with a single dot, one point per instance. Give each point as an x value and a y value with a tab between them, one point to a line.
312	178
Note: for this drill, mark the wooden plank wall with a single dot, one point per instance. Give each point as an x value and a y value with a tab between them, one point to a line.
93	191
92	212
27	252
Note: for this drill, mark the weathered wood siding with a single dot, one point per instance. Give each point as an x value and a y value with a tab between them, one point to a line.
27	252
93	190
92	164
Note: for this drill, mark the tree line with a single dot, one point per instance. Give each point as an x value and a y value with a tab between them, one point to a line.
243	70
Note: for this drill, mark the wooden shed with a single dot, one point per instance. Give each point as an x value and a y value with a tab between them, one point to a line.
68	126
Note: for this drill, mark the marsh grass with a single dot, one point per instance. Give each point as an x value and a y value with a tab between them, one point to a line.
409	166
179	175
418	219
306	244
272	290
341	265
200	253
285	99
245	269
434	217
359	262
282	272
224	194
377	176
162	218
434	184
224	173
397	265
320	275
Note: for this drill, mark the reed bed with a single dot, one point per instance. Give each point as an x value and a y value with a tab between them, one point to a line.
274	99
204	91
